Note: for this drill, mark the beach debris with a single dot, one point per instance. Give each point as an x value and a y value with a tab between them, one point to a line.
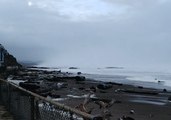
106	114
118	90
93	89
105	104
82	106
132	112
82	96
61	85
59	99
126	118
54	94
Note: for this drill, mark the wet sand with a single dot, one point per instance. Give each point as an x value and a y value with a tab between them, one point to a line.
147	104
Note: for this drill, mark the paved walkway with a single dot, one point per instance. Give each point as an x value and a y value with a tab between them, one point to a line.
4	114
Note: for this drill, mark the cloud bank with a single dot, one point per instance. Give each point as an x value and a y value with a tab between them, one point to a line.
88	33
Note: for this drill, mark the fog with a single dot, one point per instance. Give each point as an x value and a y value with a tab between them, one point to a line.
91	33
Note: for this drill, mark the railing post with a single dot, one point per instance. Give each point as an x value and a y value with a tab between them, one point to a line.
37	112
9	96
32	108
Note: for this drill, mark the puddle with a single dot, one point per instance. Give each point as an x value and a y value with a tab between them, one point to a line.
155	100
149	102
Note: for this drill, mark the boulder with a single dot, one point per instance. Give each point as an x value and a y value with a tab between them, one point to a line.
29	86
164	90
80	78
78	73
104	86
132	112
126	118
169	98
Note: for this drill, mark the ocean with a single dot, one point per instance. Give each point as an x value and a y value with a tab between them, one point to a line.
138	77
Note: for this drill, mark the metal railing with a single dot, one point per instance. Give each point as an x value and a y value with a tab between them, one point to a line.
26	105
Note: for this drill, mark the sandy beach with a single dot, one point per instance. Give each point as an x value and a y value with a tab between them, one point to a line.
112	99
147	104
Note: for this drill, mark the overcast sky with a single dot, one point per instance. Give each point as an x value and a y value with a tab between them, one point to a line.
88	32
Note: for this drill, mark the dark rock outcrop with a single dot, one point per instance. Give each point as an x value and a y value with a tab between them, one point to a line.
169	98
29	86
10	61
104	86
80	78
6	59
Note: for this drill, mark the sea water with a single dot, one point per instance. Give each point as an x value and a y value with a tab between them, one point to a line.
158	80
131	76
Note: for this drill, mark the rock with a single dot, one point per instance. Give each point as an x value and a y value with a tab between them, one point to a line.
141	87
164	90
160	82
104	86
169	98
44	94
114	83
81	88
80	78
102	91
98	118
54	95
93	89
118	101
78	73
73	68
126	118
7	59
29	86
11	61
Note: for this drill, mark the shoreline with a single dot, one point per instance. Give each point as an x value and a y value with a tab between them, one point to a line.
137	102
132	77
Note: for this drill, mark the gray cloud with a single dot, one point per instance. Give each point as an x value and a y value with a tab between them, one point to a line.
139	37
